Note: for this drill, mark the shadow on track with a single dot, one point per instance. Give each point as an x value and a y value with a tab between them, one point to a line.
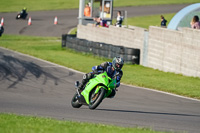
145	112
15	70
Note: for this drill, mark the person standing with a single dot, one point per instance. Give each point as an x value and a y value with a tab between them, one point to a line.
87	10
195	24
163	22
119	19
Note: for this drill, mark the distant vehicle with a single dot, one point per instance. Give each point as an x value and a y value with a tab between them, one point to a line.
22	15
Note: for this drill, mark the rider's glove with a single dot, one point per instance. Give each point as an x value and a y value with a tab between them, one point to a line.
98	71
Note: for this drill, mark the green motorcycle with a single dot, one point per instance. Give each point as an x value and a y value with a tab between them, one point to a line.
94	92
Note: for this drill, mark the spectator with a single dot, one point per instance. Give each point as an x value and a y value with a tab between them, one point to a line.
97	21
119	19
1	30
87	10
163	22
195	24
103	23
100	22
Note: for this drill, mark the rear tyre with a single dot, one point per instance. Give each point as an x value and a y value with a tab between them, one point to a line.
75	103
96	99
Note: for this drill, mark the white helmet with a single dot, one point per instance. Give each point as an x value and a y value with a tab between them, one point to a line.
117	63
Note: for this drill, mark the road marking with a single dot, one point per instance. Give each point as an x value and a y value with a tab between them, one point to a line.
167	93
50	66
56	65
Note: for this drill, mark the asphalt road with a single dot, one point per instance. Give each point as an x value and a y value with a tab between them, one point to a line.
33	87
43	21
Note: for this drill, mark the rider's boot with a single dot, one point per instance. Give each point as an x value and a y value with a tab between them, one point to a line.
82	84
86	78
112	94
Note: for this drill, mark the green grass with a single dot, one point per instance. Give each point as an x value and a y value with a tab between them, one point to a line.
73	31
11	123
151	2
150	20
49	48
34	5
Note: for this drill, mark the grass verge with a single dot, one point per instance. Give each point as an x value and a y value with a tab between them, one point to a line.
11	123
49	48
36	5
150	20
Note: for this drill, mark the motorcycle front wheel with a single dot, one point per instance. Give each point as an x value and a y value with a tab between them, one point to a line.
18	16
75	103
96	99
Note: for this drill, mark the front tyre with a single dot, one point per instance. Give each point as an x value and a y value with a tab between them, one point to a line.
96	99
75	103
18	16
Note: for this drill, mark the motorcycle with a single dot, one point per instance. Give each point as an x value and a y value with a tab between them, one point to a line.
21	15
94	92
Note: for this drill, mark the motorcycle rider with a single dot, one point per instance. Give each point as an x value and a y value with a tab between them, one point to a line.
113	70
23	12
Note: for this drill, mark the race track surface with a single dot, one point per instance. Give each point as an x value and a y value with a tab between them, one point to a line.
43	21
33	87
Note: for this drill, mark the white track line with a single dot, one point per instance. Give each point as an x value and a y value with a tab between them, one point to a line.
56	65
167	93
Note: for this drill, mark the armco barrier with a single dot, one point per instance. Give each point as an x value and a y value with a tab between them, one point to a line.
130	55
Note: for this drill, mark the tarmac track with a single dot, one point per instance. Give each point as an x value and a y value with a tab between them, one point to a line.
33	87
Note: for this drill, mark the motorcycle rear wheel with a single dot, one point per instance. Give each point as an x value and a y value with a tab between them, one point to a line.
96	99
75	103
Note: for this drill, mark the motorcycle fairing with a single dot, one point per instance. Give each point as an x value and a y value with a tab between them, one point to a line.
101	80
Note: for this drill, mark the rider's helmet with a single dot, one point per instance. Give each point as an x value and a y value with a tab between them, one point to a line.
24	8
117	63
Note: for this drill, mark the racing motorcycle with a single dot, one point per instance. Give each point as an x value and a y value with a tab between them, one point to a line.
22	15
94	92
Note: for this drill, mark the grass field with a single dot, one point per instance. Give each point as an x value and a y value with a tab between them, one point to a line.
48	48
11	123
17	5
146	21
150	20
